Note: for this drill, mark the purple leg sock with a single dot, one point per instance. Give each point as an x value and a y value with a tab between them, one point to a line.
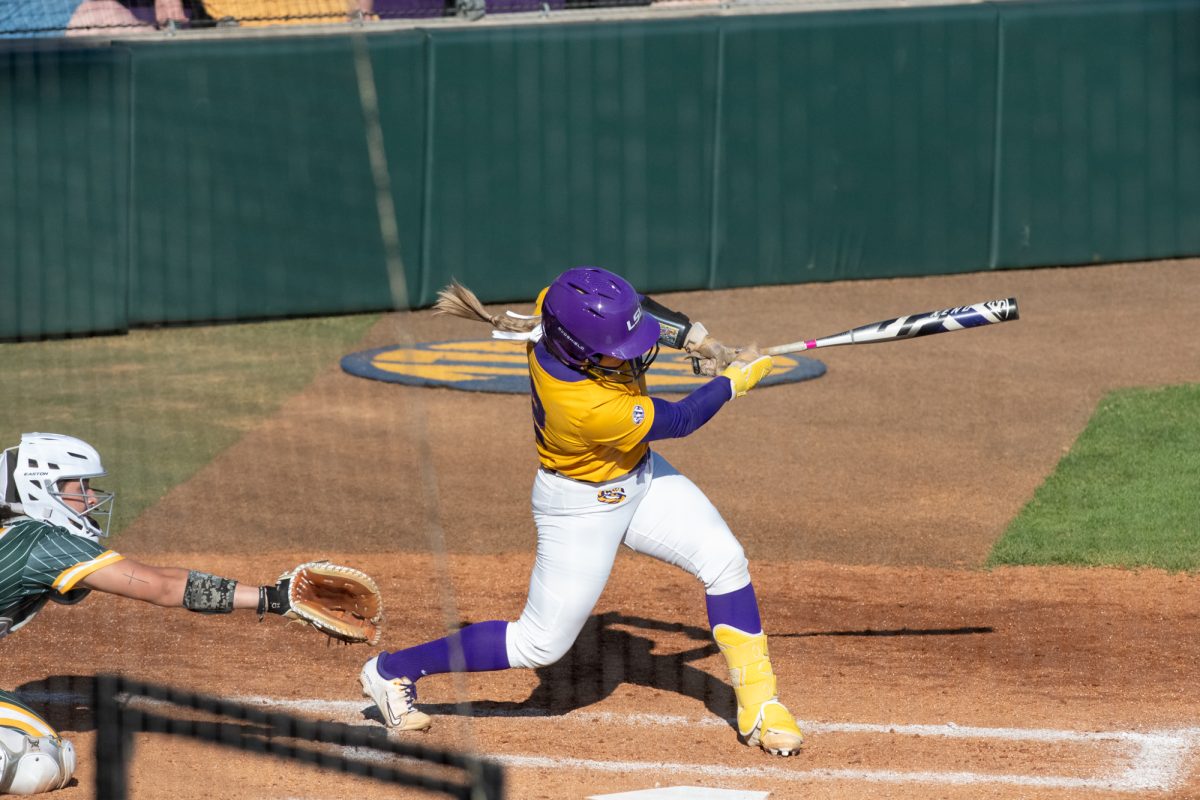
736	609
475	648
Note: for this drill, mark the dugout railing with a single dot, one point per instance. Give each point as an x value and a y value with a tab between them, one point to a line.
124	707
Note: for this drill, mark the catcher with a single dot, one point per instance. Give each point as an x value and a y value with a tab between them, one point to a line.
52	520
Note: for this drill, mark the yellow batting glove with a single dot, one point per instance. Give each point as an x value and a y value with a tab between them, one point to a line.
747	370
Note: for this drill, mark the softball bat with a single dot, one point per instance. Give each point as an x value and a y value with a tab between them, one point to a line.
975	315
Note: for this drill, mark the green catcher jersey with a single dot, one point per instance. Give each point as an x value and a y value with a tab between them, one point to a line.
40	561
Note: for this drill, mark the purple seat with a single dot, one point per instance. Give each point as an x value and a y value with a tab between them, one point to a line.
400	9
144	9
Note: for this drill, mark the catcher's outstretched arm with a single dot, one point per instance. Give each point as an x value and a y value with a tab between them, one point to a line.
172	587
341	602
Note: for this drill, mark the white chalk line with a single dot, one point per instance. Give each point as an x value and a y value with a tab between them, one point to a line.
1158	761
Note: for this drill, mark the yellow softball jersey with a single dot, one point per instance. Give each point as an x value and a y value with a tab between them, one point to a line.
590	430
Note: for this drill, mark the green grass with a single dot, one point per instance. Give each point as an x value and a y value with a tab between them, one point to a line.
1128	493
160	404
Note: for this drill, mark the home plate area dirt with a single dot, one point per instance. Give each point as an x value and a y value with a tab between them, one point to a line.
912	682
866	499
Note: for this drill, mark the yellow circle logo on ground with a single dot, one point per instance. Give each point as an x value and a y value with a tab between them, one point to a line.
500	366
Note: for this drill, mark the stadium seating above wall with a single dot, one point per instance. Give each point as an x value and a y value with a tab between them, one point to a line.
56	18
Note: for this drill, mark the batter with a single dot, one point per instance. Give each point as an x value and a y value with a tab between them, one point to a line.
600	485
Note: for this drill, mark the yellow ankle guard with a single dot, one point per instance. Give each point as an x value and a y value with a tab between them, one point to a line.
749	671
761	718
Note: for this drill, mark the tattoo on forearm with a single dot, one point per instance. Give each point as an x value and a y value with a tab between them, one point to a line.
133	578
208	594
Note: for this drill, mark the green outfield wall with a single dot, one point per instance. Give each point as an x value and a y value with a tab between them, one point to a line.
210	177
1098	141
64	191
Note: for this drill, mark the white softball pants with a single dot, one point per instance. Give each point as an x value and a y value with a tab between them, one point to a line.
663	514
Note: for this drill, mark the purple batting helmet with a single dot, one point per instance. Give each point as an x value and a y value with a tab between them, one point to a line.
590	312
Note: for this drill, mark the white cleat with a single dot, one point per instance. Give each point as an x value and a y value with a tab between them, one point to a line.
394	698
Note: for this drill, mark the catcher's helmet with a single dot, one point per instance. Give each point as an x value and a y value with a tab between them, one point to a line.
589	313
32	476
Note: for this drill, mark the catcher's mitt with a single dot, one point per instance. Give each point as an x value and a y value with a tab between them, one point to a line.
341	602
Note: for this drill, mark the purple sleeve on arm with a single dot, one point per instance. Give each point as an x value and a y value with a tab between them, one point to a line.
676	420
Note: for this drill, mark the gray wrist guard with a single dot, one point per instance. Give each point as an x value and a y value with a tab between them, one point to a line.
208	594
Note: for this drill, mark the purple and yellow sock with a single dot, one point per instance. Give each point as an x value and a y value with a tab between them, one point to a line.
737	609
476	648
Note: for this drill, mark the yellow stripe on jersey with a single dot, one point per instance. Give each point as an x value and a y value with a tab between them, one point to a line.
67	579
12	716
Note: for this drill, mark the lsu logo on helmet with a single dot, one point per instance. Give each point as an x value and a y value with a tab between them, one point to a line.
610	496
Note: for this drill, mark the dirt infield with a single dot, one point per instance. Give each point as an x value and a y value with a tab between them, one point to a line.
866	499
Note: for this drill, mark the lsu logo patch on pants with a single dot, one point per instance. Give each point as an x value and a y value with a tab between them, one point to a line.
610	496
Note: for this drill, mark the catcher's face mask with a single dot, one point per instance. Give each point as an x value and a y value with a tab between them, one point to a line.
91	504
